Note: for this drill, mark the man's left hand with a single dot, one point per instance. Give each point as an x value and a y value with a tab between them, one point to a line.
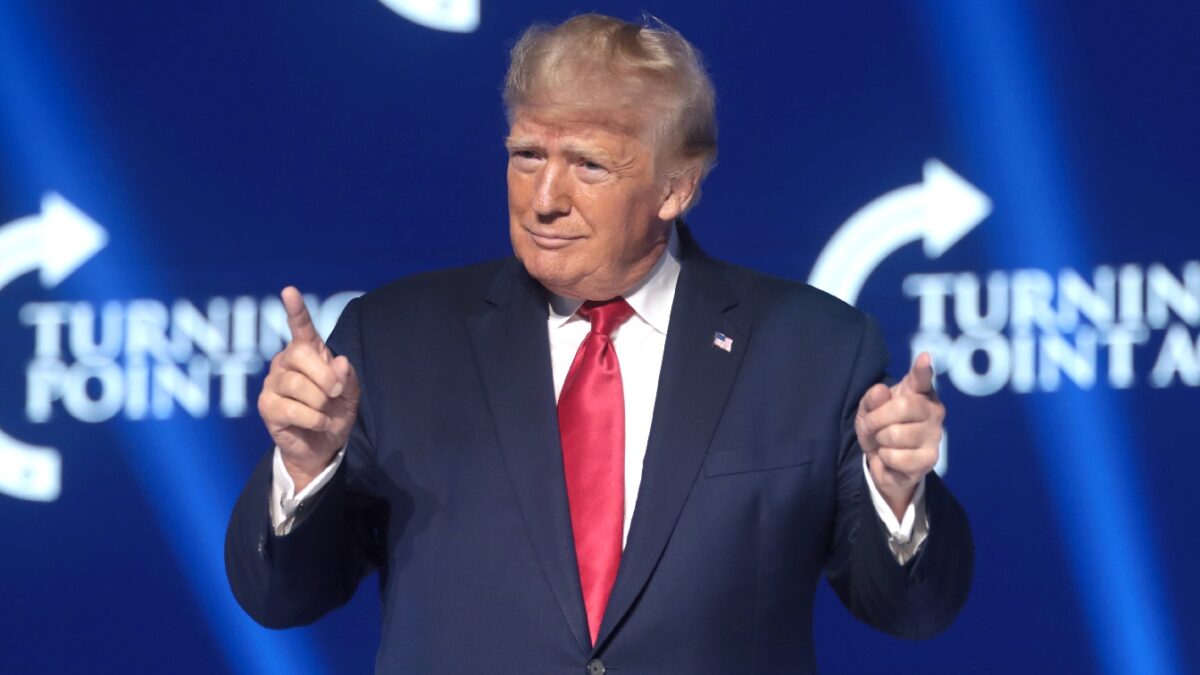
899	429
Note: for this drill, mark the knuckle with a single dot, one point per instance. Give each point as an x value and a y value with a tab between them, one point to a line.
888	456
930	457
901	460
293	355
863	429
925	437
291	381
918	438
328	378
938	433
273	411
939	414
884	437
298	351
295	346
294	412
917	464
278	381
887	437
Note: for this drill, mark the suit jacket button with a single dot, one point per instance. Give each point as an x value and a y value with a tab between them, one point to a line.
595	667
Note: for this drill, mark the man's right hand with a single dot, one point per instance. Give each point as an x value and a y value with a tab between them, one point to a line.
310	399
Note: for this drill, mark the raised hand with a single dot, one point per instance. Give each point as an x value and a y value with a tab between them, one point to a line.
899	429
309	399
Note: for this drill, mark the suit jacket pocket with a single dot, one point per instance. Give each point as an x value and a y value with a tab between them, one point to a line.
763	458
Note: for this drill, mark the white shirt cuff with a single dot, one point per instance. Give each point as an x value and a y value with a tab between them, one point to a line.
285	504
904	536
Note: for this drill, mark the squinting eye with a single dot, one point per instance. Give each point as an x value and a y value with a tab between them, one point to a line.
524	160
591	172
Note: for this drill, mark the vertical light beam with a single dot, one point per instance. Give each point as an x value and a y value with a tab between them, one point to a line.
1002	110
185	470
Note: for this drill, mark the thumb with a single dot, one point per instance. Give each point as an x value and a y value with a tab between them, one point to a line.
348	379
875	397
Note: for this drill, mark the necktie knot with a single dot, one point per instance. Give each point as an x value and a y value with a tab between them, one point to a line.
606	316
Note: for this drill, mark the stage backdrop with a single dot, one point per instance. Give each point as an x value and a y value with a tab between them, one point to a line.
1011	185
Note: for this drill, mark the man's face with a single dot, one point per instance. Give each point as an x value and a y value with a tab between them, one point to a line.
589	204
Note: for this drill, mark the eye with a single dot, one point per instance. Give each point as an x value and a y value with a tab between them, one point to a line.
590	171
524	159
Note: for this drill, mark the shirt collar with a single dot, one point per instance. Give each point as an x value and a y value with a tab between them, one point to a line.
650	299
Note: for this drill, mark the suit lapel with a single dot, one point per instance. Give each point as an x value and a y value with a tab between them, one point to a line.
693	387
513	356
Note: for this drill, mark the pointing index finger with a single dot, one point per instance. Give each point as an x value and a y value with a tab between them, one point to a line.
298	318
920	377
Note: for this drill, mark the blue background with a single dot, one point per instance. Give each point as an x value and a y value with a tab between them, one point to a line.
230	148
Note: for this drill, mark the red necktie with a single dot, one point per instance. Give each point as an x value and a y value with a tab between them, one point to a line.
591	423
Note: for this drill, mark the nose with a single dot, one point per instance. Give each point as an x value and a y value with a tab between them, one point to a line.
550	195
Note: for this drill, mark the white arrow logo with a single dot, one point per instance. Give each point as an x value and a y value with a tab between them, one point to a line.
455	16
56	241
940	210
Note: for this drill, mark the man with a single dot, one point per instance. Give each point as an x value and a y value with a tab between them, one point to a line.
609	452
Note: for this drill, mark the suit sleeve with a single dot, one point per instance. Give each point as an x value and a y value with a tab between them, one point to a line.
920	598
294	579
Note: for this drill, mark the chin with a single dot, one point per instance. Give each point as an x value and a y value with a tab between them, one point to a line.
547	272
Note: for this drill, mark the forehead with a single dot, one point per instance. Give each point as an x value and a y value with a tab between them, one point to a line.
582	123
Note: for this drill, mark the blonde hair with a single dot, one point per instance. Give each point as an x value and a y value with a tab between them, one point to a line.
650	62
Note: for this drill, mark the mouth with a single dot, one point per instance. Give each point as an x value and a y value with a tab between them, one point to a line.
550	240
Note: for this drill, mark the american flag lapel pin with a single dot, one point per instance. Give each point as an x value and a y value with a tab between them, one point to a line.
722	341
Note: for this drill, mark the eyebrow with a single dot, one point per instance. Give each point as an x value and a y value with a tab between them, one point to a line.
520	143
582	150
570	148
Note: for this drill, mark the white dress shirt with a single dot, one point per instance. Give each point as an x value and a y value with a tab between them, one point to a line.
639	344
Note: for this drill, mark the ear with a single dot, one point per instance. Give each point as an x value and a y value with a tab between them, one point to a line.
679	192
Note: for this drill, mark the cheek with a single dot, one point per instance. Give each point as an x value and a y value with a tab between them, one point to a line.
627	221
516	190
604	209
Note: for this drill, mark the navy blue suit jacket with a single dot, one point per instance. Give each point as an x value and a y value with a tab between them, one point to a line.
452	488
